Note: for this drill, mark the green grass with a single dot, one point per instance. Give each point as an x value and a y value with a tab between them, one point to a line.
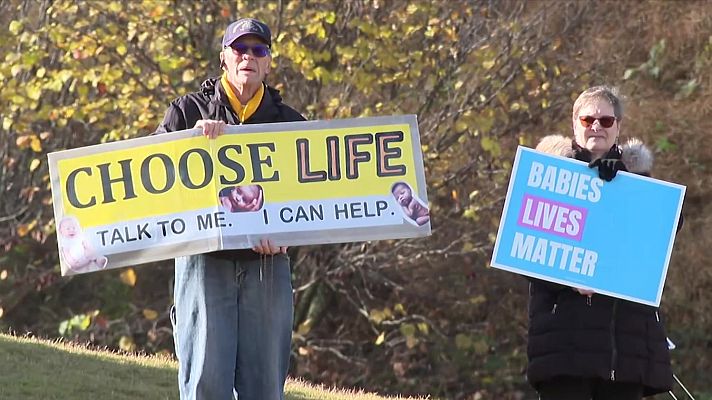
37	369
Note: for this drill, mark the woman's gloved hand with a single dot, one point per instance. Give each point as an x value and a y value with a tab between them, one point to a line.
609	164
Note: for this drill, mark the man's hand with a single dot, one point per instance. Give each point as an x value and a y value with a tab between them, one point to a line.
609	164
211	128
265	246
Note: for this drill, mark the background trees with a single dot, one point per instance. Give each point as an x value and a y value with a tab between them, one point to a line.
413	316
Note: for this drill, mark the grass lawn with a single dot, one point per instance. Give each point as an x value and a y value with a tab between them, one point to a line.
36	369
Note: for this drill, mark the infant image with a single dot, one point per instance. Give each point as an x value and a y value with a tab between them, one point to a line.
242	198
76	250
413	208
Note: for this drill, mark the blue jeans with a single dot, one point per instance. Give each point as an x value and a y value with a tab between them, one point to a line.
232	327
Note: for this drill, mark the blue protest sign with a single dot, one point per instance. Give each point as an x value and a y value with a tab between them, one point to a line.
563	224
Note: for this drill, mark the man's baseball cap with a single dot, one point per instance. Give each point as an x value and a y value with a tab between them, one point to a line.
247	26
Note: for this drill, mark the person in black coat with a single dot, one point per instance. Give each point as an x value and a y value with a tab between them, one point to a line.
583	345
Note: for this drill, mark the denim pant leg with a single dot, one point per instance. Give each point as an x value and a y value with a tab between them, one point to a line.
265	328
205	335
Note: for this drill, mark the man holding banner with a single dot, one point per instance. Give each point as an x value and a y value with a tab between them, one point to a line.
233	308
593	346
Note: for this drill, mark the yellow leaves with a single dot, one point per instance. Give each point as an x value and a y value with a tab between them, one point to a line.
408	331
330	17
399	309
153	81
71	10
317	29
488	64
467	342
491	146
411	29
162	45
40	72
475	123
477	300
157	12
378	316
366	27
127	344
64	75
429	32
34	164
304	327
24	229
15	27
461	125
529	74
333	104
380	339
128	277
411	9
33	92
480	347
115	7
346	53
31	141
17	100
131	31
462	341
470	213
150	314
121	49
467	247
15	70
188	75
6	123
82	90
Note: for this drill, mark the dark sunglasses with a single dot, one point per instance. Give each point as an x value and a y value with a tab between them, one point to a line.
258	50
605	122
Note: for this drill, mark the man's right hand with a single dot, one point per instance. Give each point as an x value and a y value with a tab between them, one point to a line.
211	128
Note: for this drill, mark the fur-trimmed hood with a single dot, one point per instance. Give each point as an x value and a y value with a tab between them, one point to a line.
636	156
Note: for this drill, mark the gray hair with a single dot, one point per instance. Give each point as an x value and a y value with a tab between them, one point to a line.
610	94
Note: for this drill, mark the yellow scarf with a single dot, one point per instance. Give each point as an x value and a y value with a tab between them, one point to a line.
246	111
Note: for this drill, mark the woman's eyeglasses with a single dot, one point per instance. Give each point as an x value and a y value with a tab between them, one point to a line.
258	50
606	122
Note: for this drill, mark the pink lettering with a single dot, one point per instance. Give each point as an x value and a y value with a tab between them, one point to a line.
552	217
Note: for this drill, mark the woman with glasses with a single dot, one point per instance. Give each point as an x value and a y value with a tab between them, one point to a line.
233	324
583	345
